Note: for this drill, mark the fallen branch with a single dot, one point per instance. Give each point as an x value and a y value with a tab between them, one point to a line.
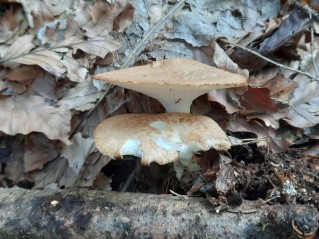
94	214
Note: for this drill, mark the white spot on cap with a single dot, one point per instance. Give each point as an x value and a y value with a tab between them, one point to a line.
185	151
165	143
158	124
131	147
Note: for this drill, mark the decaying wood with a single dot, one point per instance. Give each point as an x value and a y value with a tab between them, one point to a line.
94	214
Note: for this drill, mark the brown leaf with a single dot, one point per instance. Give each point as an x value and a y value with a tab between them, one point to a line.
76	154
297	22
24	114
281	87
39	150
8	23
92	168
97	19
20	47
304	104
124	19
81	97
98	46
257	99
54	63
44	86
24	73
222	96
241	124
49	175
44	10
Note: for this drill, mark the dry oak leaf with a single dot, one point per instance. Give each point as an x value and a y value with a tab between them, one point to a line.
45	9
20	46
53	63
97	18
257	99
98	45
38	151
25	114
81	96
76	154
304	105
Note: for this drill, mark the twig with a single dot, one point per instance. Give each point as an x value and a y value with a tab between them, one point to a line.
271	61
291	106
235	141
177	194
142	44
240	211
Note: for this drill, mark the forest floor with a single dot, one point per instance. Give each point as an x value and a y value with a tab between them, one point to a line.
50	105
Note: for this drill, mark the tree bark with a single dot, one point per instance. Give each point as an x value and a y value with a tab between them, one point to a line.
95	214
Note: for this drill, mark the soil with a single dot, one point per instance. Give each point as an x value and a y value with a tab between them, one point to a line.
255	174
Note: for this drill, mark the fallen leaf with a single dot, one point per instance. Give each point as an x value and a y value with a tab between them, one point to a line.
49	175
20	47
123	19
222	96
39	150
81	97
76	154
257	99
53	62
92	169
98	46
281	87
97	18
8	24
304	104
223	61
44	86
102	182
240	124
24	74
296	23
45	9
25	114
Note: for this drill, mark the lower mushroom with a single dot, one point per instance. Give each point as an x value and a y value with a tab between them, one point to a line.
161	138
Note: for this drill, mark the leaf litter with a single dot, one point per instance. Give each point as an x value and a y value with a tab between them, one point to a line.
50	105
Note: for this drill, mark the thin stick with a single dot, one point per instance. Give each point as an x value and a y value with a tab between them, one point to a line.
235	141
271	61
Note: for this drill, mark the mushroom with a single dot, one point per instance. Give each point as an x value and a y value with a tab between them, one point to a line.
161	138
175	83
168	137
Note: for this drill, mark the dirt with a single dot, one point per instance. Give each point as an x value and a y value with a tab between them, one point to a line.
255	174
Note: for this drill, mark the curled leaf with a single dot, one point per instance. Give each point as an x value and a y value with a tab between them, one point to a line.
25	114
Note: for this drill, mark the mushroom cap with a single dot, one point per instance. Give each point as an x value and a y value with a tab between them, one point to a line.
161	138
173	82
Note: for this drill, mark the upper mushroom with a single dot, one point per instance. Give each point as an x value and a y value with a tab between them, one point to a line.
175	83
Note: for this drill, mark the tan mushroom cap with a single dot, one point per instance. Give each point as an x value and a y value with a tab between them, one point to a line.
161	138
173	82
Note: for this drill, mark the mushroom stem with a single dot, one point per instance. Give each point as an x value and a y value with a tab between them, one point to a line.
185	164
173	99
